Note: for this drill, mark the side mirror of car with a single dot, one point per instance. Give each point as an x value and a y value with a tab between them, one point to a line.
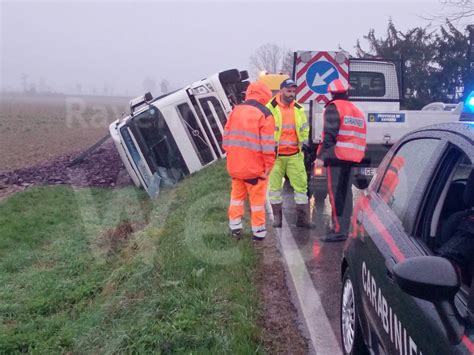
433	279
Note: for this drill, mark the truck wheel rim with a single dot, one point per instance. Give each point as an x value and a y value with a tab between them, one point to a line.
348	316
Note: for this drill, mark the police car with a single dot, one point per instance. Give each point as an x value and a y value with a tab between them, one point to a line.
398	295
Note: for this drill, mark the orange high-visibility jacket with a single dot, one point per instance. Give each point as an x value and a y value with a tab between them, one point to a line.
249	135
351	138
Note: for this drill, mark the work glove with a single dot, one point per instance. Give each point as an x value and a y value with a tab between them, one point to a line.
306	148
253	181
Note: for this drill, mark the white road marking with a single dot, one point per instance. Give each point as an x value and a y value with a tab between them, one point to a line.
322	337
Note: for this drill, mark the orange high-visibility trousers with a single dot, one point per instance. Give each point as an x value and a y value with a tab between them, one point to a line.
257	195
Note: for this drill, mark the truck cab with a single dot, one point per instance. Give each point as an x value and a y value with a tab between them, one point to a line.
174	135
272	81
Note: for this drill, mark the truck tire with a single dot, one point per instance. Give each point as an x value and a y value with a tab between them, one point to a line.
229	76
244	75
243	86
361	182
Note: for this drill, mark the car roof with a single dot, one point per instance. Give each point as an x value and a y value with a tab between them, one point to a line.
465	129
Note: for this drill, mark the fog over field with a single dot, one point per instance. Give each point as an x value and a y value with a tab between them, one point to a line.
124	48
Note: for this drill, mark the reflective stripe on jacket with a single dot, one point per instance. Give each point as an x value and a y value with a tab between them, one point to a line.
351	138
300	123
248	137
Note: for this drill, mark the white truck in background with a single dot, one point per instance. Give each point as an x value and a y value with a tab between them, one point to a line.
376	89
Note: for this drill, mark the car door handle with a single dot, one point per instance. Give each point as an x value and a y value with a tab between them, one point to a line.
389	264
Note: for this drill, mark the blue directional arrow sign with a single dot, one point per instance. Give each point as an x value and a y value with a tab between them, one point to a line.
319	75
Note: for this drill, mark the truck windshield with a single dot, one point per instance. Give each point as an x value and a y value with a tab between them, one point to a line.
158	146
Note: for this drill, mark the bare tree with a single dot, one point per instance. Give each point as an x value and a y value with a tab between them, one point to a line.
453	11
165	86
42	85
24	82
149	84
287	63
272	59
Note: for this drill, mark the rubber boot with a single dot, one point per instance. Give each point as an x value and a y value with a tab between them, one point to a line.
302	217
277	216
236	233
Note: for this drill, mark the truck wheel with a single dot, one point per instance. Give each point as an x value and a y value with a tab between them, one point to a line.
229	76
243	86
361	183
244	75
351	334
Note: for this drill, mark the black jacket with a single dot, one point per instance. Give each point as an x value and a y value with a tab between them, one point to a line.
331	129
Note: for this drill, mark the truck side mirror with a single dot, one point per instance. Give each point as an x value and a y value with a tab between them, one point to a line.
433	279
148	97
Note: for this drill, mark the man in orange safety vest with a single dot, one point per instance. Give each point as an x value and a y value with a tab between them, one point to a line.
250	147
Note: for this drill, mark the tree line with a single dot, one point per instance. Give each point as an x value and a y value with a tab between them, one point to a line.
438	62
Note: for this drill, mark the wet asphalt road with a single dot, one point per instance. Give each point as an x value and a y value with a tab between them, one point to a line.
322	260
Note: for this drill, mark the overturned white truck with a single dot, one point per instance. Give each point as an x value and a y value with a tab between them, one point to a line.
166	138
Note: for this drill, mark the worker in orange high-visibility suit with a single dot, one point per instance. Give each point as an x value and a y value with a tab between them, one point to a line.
250	147
343	146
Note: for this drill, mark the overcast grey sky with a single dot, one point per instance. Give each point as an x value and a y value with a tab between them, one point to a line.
118	44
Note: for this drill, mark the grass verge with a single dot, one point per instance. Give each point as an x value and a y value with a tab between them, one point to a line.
106	271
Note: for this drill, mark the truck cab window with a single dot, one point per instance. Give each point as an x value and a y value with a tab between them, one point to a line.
367	84
160	150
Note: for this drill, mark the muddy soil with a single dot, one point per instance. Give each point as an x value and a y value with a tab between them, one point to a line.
279	321
102	168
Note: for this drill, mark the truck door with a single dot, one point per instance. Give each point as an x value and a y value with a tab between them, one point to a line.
214	117
197	133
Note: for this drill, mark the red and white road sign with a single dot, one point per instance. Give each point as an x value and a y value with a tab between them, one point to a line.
315	70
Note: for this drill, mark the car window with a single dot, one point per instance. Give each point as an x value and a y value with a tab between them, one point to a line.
404	172
455	224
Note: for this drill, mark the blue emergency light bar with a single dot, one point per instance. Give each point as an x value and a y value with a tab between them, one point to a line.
470	102
467	113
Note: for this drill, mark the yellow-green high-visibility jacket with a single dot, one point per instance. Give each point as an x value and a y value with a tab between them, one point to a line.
301	122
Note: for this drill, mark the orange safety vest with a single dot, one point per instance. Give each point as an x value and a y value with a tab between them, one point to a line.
288	143
351	138
249	141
